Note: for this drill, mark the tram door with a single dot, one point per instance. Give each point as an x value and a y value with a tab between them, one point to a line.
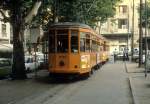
62	49
74	47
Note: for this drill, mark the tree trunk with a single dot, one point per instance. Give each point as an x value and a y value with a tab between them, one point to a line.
18	67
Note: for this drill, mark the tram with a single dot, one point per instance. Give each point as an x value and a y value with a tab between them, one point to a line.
75	48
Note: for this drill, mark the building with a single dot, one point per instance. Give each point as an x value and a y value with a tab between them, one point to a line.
120	28
5	31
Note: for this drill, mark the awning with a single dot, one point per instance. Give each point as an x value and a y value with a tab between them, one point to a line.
117	35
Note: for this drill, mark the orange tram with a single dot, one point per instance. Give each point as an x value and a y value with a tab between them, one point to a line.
75	48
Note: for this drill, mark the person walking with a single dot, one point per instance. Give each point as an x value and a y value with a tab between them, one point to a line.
125	55
115	55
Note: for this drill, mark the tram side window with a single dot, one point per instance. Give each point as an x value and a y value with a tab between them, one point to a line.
82	45
62	41
88	42
101	48
82	41
94	46
52	42
74	41
87	45
104	46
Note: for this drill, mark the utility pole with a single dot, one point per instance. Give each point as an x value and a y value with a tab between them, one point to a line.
146	45
132	36
140	36
127	48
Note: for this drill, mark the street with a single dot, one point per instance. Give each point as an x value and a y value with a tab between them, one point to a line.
109	85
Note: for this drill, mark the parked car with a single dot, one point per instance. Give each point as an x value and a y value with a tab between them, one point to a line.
120	56
5	67
40	59
30	63
143	59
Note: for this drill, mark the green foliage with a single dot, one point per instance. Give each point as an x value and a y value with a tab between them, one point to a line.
85	11
145	13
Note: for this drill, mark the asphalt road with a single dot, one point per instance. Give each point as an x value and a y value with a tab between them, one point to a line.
109	85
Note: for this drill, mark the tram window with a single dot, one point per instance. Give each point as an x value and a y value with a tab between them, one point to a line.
94	46
82	34
87	35
82	45
52	42
74	41
104	46
87	45
62	41
101	48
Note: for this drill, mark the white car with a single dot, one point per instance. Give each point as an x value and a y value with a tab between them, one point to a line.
40	59
143	59
30	63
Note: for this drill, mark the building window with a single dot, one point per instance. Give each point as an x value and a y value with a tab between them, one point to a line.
122	23
4	30
123	9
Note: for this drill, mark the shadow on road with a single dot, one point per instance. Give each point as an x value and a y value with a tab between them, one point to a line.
58	80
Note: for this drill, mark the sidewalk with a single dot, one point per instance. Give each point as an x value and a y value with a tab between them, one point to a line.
140	86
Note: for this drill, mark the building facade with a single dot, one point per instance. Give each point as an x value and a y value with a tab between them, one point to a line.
4	31
119	29
5	34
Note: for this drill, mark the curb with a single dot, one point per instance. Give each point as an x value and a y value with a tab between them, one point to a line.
133	93
132	87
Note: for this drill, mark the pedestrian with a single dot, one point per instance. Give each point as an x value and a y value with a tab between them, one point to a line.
115	54
125	55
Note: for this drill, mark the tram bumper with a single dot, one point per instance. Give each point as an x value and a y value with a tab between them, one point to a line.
70	71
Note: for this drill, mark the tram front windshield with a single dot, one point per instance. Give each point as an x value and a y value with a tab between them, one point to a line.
58	41
62	41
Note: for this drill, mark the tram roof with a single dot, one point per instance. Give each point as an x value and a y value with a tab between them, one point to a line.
69	25
74	25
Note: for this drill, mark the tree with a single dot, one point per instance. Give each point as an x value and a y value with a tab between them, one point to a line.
145	13
21	13
85	11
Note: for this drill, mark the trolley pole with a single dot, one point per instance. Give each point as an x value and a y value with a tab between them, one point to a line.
140	36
